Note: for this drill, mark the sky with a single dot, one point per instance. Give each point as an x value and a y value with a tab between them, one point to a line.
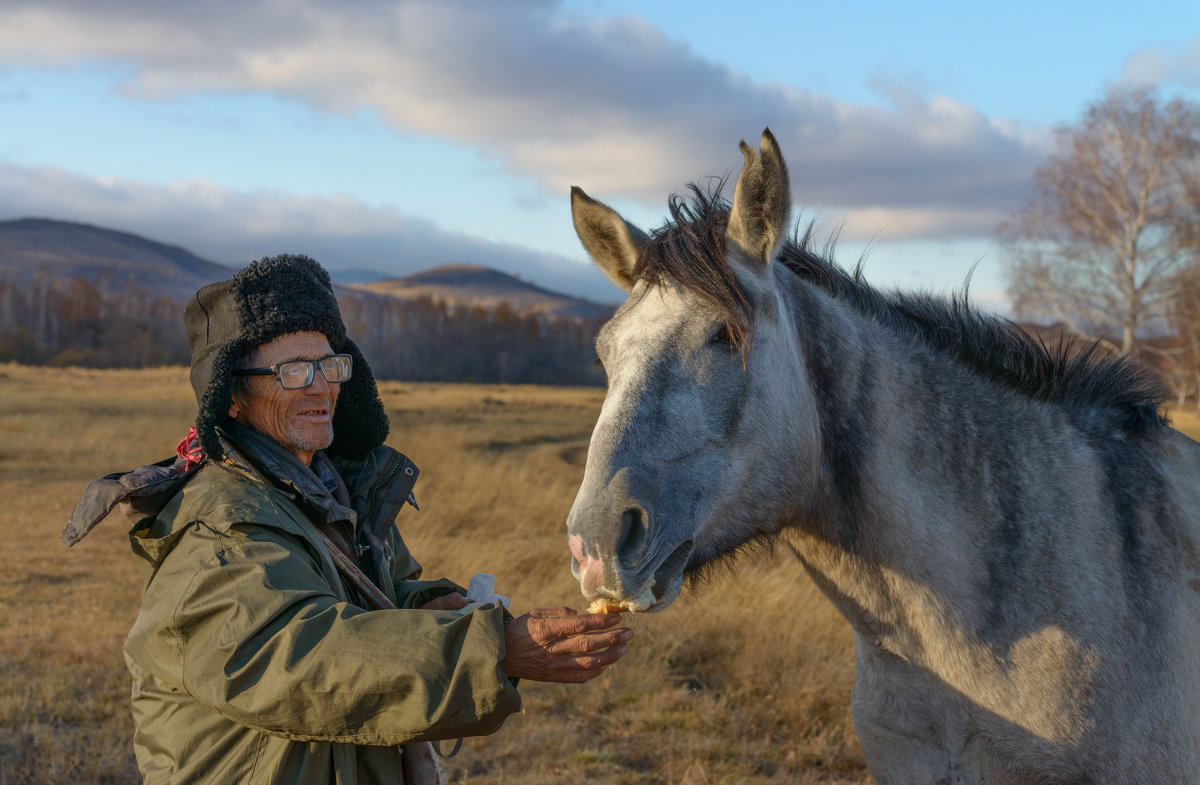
396	135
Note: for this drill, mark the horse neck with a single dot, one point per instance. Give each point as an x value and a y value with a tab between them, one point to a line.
875	400
896	455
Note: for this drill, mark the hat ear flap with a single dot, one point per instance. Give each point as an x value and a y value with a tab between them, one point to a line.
360	423
214	404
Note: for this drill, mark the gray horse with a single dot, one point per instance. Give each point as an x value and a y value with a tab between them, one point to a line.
1010	528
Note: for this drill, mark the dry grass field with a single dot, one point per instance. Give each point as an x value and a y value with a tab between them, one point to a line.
746	681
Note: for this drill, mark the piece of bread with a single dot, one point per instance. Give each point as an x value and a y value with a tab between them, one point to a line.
613	605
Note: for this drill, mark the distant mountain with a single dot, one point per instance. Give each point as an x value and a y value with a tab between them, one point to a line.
471	285
110	259
114	261
349	276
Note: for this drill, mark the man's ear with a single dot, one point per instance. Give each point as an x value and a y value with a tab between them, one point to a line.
235	405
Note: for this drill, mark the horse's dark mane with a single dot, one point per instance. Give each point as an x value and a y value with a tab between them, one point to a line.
690	250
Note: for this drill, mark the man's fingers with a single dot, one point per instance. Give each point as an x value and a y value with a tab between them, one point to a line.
594	641
577	624
552	613
563	645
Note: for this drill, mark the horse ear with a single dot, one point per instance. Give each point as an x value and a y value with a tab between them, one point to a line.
762	201
614	244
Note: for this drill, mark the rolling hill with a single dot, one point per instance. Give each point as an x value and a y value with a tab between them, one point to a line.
472	285
110	259
114	260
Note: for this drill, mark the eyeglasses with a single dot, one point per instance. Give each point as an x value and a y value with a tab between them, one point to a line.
298	374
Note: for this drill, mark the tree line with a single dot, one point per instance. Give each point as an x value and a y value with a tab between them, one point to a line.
74	322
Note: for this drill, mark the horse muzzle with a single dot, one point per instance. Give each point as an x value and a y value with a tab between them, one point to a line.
646	584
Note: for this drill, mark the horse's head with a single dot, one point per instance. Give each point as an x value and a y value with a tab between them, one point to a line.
705	418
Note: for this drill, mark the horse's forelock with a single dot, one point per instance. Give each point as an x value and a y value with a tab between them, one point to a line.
690	250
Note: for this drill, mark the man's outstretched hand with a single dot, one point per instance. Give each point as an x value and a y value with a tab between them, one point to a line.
563	645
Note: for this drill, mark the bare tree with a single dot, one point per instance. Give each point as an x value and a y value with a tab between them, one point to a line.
1179	356
1110	228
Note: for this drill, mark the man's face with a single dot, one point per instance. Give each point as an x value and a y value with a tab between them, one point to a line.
301	420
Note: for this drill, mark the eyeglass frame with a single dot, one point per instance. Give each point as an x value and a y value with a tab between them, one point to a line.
313	366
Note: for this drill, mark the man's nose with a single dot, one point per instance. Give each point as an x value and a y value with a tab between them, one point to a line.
320	385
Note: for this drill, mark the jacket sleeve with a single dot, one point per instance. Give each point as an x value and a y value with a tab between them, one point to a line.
263	639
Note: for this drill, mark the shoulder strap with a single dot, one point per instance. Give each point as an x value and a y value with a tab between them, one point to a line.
420	764
355	576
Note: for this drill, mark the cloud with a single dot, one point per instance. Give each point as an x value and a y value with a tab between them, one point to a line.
233	227
607	103
891	224
1155	66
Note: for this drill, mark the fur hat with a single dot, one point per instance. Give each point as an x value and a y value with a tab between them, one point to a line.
268	298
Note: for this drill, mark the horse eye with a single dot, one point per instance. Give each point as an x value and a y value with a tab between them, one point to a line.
721	336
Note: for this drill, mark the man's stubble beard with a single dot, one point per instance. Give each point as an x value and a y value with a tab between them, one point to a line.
310	438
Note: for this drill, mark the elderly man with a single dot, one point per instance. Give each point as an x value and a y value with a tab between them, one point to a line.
283	636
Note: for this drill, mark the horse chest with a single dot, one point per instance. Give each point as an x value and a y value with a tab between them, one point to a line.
916	729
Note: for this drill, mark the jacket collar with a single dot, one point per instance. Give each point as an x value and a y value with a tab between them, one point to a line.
318	487
370	490
375	487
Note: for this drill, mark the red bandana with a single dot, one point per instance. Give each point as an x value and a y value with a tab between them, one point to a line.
189	450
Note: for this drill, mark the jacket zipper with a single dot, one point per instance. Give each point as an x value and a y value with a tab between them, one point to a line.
390	470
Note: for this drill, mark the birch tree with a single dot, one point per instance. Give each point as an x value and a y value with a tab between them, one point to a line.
1109	230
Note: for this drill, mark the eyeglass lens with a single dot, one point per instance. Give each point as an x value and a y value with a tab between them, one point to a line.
299	373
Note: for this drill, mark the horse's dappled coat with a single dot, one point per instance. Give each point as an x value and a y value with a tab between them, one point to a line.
1010	528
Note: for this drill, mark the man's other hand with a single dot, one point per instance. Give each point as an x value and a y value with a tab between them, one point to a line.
562	645
447	602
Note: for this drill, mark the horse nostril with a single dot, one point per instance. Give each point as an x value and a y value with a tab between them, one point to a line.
633	534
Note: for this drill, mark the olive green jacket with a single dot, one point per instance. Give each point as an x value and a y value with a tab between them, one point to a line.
253	663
